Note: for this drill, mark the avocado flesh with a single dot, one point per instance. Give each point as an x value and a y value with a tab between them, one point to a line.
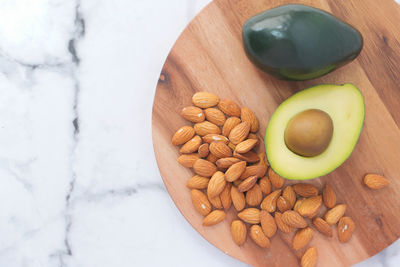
298	42
343	103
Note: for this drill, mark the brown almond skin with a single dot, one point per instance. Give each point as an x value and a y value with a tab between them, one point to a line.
193	114
200	202
216	185
265	185
220	149
192	145
229	107
289	194
197	182
282	204
305	190
322	226
203	150
238	199
329	196
209	138
254	170
239	133
215	201
333	215
225	196
302	238
235	171
310	206
215	116
247	184
310	257
211	158
268	223
250	215
345	229
258	236
214	217
204	168
375	181
225	163
269	202
254	196
250	117
246	145
229	124
182	135
293	219
239	232
206	127
250	156
282	226
275	179
188	160
205	99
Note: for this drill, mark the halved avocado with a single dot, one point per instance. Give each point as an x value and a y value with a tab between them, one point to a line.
345	106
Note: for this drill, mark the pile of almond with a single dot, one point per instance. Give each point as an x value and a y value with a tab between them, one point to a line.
231	168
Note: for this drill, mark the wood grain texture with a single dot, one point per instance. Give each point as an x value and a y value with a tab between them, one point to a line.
209	56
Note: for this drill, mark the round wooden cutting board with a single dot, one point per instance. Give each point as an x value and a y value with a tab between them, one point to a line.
209	56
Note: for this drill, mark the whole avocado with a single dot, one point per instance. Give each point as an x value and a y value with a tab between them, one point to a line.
298	42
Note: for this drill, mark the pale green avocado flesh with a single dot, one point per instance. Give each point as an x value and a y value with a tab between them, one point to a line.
345	106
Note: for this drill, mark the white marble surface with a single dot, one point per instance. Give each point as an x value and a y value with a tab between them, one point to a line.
79	185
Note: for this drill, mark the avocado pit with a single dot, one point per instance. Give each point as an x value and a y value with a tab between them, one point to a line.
309	132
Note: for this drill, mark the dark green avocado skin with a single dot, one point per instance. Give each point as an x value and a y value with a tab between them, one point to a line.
298	42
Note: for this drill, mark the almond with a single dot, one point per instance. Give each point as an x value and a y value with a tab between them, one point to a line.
275	179
188	160
212	158
239	132
268	224
322	226
309	258
215	201
329	196
197	182
247	184
191	146
294	219
204	168
305	190
229	107
269	202
238	199
214	217
239	232
250	156
250	215
333	215
345	229
289	194
205	99
225	196
248	116
302	238
215	116
253	136
282	204
246	146
183	135
193	114
281	225
254	196
209	138
255	170
231	146
225	163
237	182
206	127
375	181
216	185
220	149
229	124
265	185
298	204
200	202
263	159
258	236
309	207
235	171
203	150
